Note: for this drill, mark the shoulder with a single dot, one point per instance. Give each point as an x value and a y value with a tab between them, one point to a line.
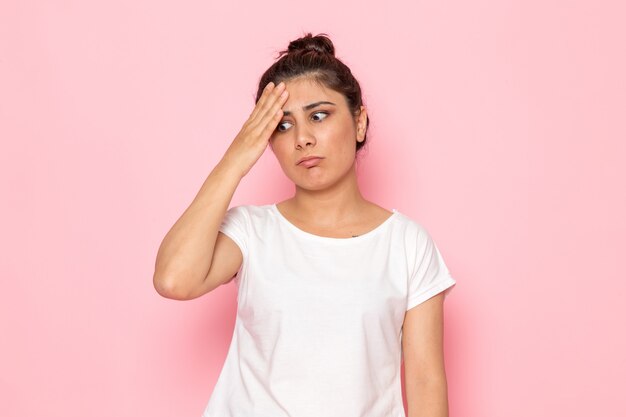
413	231
253	209
250	213
408	223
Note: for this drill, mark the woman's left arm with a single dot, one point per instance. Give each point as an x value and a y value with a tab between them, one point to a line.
424	371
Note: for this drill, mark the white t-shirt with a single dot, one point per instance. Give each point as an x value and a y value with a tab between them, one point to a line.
319	319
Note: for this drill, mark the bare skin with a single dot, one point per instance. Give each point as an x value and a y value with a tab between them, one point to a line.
424	368
327	199
195	258
327	202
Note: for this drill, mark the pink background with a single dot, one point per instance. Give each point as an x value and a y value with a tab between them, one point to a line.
498	125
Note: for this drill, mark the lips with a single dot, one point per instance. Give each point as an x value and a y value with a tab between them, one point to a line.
310	162
310	159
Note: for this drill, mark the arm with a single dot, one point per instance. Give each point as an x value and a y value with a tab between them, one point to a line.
424	371
185	266
186	253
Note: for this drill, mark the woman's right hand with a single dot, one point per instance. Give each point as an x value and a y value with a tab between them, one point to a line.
253	138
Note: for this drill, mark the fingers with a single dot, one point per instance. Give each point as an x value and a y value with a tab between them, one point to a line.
274	113
267	102
270	121
266	92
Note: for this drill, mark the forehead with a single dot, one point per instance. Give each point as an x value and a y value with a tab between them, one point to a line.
303	91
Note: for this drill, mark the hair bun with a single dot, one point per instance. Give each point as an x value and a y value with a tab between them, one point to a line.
320	43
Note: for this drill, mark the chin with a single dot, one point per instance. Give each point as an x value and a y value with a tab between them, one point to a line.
314	184
323	179
309	185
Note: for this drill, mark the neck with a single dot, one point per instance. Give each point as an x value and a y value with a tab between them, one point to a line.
339	202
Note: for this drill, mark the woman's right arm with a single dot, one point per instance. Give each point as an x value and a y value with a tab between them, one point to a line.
194	257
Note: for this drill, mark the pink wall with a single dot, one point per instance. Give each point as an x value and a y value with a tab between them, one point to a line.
499	125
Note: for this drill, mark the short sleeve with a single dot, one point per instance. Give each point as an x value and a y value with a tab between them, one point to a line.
234	225
430	275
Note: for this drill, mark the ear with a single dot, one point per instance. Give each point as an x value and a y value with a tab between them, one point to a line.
361	124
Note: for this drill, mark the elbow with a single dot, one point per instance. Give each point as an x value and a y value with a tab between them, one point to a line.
166	287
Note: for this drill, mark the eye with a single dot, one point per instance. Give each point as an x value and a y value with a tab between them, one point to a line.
321	112
280	128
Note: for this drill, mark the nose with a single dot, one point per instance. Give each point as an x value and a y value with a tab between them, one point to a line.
304	137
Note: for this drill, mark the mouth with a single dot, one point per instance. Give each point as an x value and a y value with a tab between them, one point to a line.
309	161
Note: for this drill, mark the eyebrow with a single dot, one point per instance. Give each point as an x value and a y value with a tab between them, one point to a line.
309	106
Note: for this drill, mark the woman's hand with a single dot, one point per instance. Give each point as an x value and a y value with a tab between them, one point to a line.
253	138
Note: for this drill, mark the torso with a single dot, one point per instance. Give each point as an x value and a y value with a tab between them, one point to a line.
370	218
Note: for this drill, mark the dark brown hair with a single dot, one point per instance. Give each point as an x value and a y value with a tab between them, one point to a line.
314	57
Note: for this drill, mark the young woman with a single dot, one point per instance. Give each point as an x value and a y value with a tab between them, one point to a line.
333	290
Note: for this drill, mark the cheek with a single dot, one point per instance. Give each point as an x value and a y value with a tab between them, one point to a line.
281	154
344	141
